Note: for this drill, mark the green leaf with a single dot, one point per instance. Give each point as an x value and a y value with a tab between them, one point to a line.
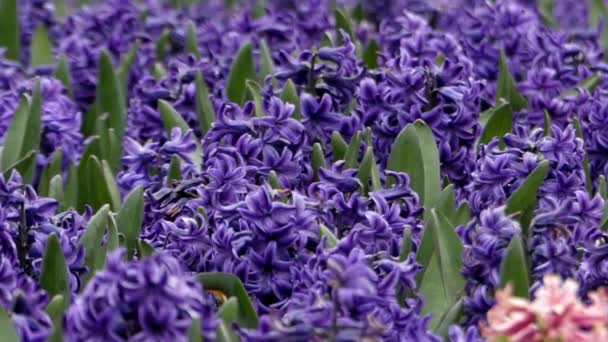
589	84
448	318
327	40
441	282
232	286
171	118
446	204
55	310
110	99
144	249
7	329
54	277
52	169
126	63
92	241
352	152
506	86
14	141
332	241
579	134
26	167
130	218
62	72
406	243
242	68
228	313
255	91
368	169
56	189
290	95
161	46
42	49
602	187
370	54
274	181
338	145
71	189
204	107
499	123
98	184
60	8
343	22
192	41
317	159
546	123
158	71
415	153
266	64
439	59
175	171
514	268
112	243
10	34
25	130
599	10
545	9
524	197
194	333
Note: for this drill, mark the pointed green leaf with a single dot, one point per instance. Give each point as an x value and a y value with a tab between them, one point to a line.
204	107
255	91
229	311
545	9
514	268
92	242
231	286
524	197
161	46
158	71
441	282
589	84
343	22
290	95
499	123
332	241
144	249
42	49
52	169
449	318
126	63
71	189
7	329
110	99
192	41
506	86
546	123
62	73
26	167
370	54
171	118
56	189
273	180
175	171
368	169
112	243
242	68
130	218
98	185
266	64
352	152
225	333
406	243
54	277
415	153
55	310
14	140
110	184
317	159
10	36
338	145
327	40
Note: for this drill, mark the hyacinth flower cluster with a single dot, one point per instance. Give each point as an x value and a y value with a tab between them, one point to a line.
352	170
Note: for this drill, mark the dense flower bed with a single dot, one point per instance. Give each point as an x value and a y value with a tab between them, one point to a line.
308	170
